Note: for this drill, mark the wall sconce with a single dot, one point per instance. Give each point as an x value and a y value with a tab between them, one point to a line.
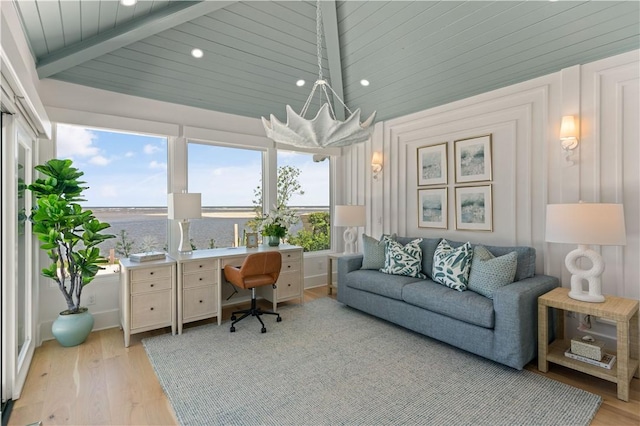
568	136
376	164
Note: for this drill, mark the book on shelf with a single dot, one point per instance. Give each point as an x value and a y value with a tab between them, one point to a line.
607	360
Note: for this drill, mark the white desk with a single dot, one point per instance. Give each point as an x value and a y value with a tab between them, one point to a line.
200	277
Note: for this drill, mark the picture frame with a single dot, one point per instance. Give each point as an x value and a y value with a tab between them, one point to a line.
474	208
432	165
473	159
252	240
432	208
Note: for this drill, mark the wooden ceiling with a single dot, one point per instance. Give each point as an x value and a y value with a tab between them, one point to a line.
416	54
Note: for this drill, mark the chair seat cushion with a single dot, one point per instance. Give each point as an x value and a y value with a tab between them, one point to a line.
465	306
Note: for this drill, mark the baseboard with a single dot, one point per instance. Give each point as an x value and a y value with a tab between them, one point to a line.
312	281
102	321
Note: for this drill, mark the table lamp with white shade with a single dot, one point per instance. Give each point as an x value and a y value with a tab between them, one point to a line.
351	217
583	224
182	207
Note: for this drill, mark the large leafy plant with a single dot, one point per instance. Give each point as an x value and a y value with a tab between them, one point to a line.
68	233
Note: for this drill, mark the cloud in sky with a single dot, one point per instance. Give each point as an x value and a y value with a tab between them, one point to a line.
108	191
156	165
76	142
151	149
99	160
129	154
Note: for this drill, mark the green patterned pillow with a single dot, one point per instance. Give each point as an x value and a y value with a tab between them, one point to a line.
404	260
451	266
489	273
374	251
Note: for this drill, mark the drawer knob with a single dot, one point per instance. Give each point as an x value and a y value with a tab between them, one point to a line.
288	285
152	308
199	279
288	266
201	301
150	273
199	266
152	285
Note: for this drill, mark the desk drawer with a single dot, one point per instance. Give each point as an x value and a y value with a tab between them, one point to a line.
289	285
200	265
150	285
294	255
291	265
199	279
150	273
151	309
199	301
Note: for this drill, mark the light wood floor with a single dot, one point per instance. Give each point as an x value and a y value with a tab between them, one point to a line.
102	382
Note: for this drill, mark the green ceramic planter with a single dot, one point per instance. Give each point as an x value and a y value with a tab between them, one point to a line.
72	329
273	240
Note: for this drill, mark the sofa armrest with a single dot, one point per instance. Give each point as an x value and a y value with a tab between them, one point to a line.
348	263
516	311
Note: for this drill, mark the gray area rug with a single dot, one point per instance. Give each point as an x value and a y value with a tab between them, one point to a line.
329	364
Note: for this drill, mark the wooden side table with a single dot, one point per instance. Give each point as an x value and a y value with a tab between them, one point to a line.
623	311
330	259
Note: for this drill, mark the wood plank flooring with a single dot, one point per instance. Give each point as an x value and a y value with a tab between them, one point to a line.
103	383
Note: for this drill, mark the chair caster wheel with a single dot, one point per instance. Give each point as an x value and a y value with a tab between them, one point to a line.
278	319
232	329
233	317
264	330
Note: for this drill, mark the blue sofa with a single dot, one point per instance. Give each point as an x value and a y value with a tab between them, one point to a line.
503	329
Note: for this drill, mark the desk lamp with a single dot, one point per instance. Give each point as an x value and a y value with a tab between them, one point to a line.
182	207
351	217
584	224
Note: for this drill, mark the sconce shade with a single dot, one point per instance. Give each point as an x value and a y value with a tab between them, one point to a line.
568	127
376	159
350	216
185	206
586	223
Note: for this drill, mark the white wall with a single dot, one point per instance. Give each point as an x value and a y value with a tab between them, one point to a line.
529	169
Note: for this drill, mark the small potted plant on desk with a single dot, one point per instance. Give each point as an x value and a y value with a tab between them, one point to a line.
69	235
275	225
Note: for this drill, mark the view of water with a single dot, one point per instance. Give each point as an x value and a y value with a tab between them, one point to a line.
146	227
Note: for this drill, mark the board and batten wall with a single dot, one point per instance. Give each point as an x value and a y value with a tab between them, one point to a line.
529	167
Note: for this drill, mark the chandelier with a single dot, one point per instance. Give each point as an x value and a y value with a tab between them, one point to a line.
324	130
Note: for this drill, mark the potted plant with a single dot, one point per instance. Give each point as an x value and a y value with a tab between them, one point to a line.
275	225
69	234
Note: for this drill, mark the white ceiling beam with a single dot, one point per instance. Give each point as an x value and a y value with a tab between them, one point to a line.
126	34
332	42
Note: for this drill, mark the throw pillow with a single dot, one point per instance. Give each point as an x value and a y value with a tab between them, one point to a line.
451	266
403	260
374	251
489	273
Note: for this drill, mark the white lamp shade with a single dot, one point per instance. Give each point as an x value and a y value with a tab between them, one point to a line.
586	223
568	127
350	216
185	206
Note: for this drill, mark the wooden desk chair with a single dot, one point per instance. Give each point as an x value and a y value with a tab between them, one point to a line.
258	269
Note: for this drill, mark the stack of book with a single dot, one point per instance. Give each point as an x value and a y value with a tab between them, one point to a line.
607	360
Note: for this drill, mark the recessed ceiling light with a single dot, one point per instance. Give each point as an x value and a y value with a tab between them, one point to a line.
128	2
197	53
300	83
364	82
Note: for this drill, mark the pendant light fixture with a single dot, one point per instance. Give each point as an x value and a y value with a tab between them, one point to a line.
324	130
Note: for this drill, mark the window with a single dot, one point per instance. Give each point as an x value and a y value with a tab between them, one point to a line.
304	186
127	178
228	179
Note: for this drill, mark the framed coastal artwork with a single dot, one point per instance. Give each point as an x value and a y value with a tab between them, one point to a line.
474	208
432	208
252	239
432	165
473	159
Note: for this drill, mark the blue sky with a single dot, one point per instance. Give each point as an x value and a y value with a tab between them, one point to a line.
123	169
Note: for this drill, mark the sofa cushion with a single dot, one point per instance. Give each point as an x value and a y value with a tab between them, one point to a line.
465	306
489	273
451	266
375	282
526	258
428	246
403	260
374	251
